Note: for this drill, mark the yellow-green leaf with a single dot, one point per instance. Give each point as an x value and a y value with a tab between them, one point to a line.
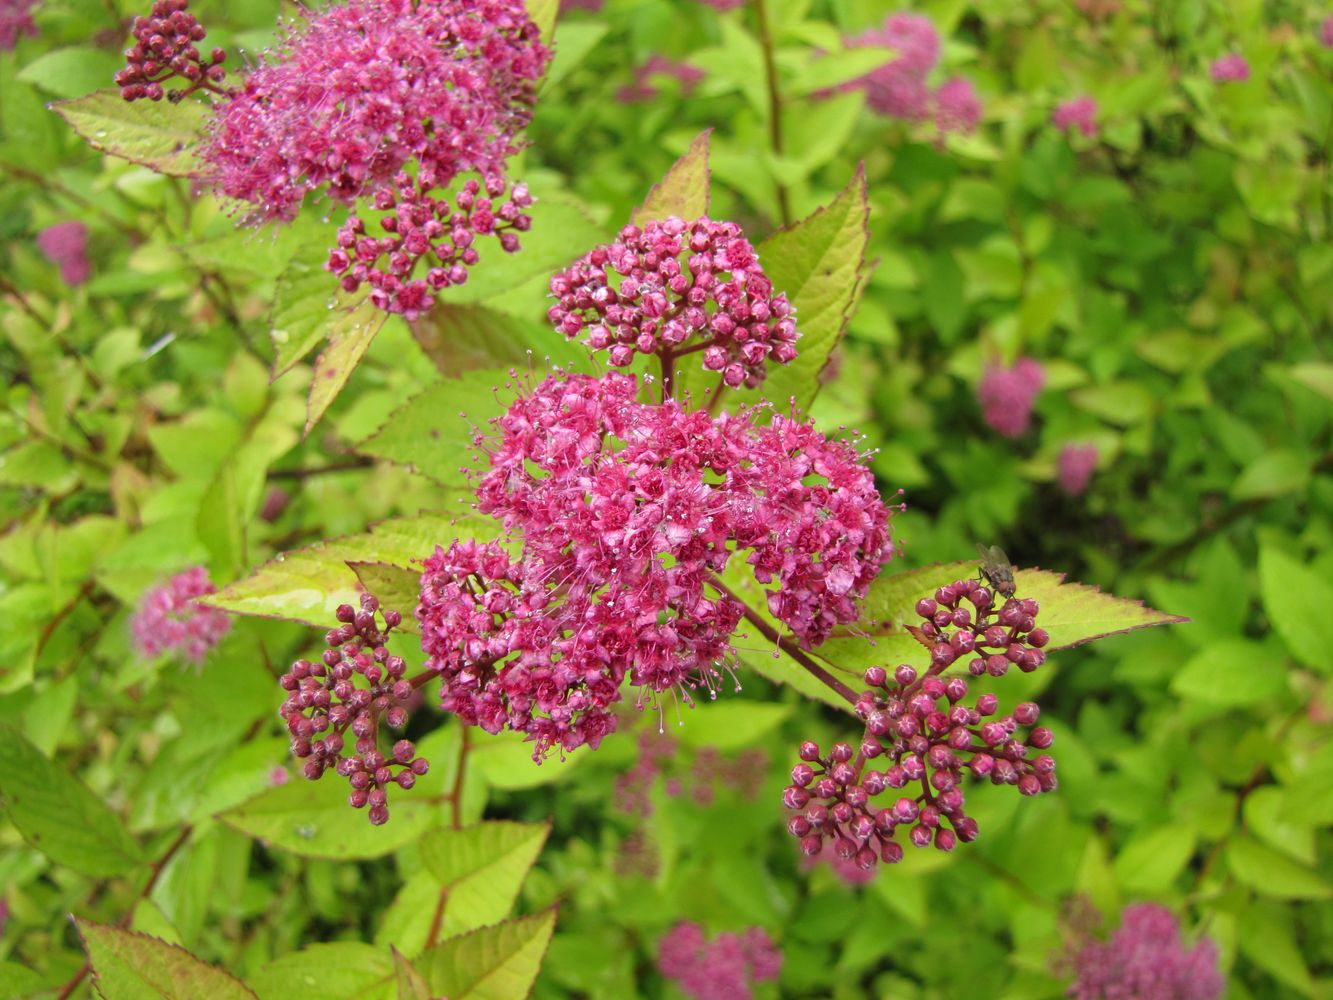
481	868
683	191
132	966
493	963
158	135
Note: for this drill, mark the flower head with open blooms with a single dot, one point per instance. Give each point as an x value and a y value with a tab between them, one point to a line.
358	91
957	106
1231	68
1007	394
677	287
898	88
170	620
1075	467
721	969
1077	112
66	245
15	21
624	513
1145	959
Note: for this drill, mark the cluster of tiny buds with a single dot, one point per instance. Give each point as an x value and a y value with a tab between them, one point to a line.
421	226
164	47
324	701
927	736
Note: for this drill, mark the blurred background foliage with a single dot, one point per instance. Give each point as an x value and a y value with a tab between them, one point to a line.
1171	273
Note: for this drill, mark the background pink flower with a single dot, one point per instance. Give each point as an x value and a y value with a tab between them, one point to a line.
721	969
15	20
1230	69
1076	466
1146	960
957	106
66	245
170	620
1006	396
1079	113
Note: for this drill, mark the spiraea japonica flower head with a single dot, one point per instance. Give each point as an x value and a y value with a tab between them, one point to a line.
925	734
898	88
957	106
1230	68
621	514
1075	466
643	88
358	91
16	20
166	46
723	968
1326	32
1146	959
1007	394
356	686
170	619
1077	112
66	245
676	287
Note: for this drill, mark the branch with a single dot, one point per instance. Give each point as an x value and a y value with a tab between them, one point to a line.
774	104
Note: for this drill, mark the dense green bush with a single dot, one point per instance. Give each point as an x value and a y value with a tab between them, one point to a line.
1169	272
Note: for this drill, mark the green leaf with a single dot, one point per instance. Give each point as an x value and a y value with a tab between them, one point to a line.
18	980
350	332
1152	859
1266	938
1297	601
837	68
313	819
309	308
459	338
481	868
307	585
58	816
71	72
493	963
342	970
1231	672
683	191
132	966
158	135
820	263
1316	376
543	14
730	723
1072	614
1275	473
396	587
1272	873
432	432
411	984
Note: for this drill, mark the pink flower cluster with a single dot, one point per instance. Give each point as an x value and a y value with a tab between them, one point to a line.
1079	113
169	618
423	227
678	287
643	89
164	47
1326	33
625	512
16	20
1230	68
1146	960
1075	466
66	245
899	89
721	969
927	738
365	88
1007	394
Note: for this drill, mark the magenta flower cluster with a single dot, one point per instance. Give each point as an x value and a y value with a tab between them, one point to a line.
1231	68
721	969
170	619
423	227
66	245
1077	112
900	88
676	287
356	685
164	47
16	21
643	88
625	513
928	737
363	89
1075	466
1006	396
1145	959
1326	32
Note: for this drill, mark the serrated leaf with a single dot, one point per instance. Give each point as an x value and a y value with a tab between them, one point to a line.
341	970
820	263
313	819
132	966
481	868
432	432
1297	601
460	338
308	584
683	191
411	984
493	963
1273	874
543	14
1266	938
1072	614
58	816
158	135
396	587
349	334
309	308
